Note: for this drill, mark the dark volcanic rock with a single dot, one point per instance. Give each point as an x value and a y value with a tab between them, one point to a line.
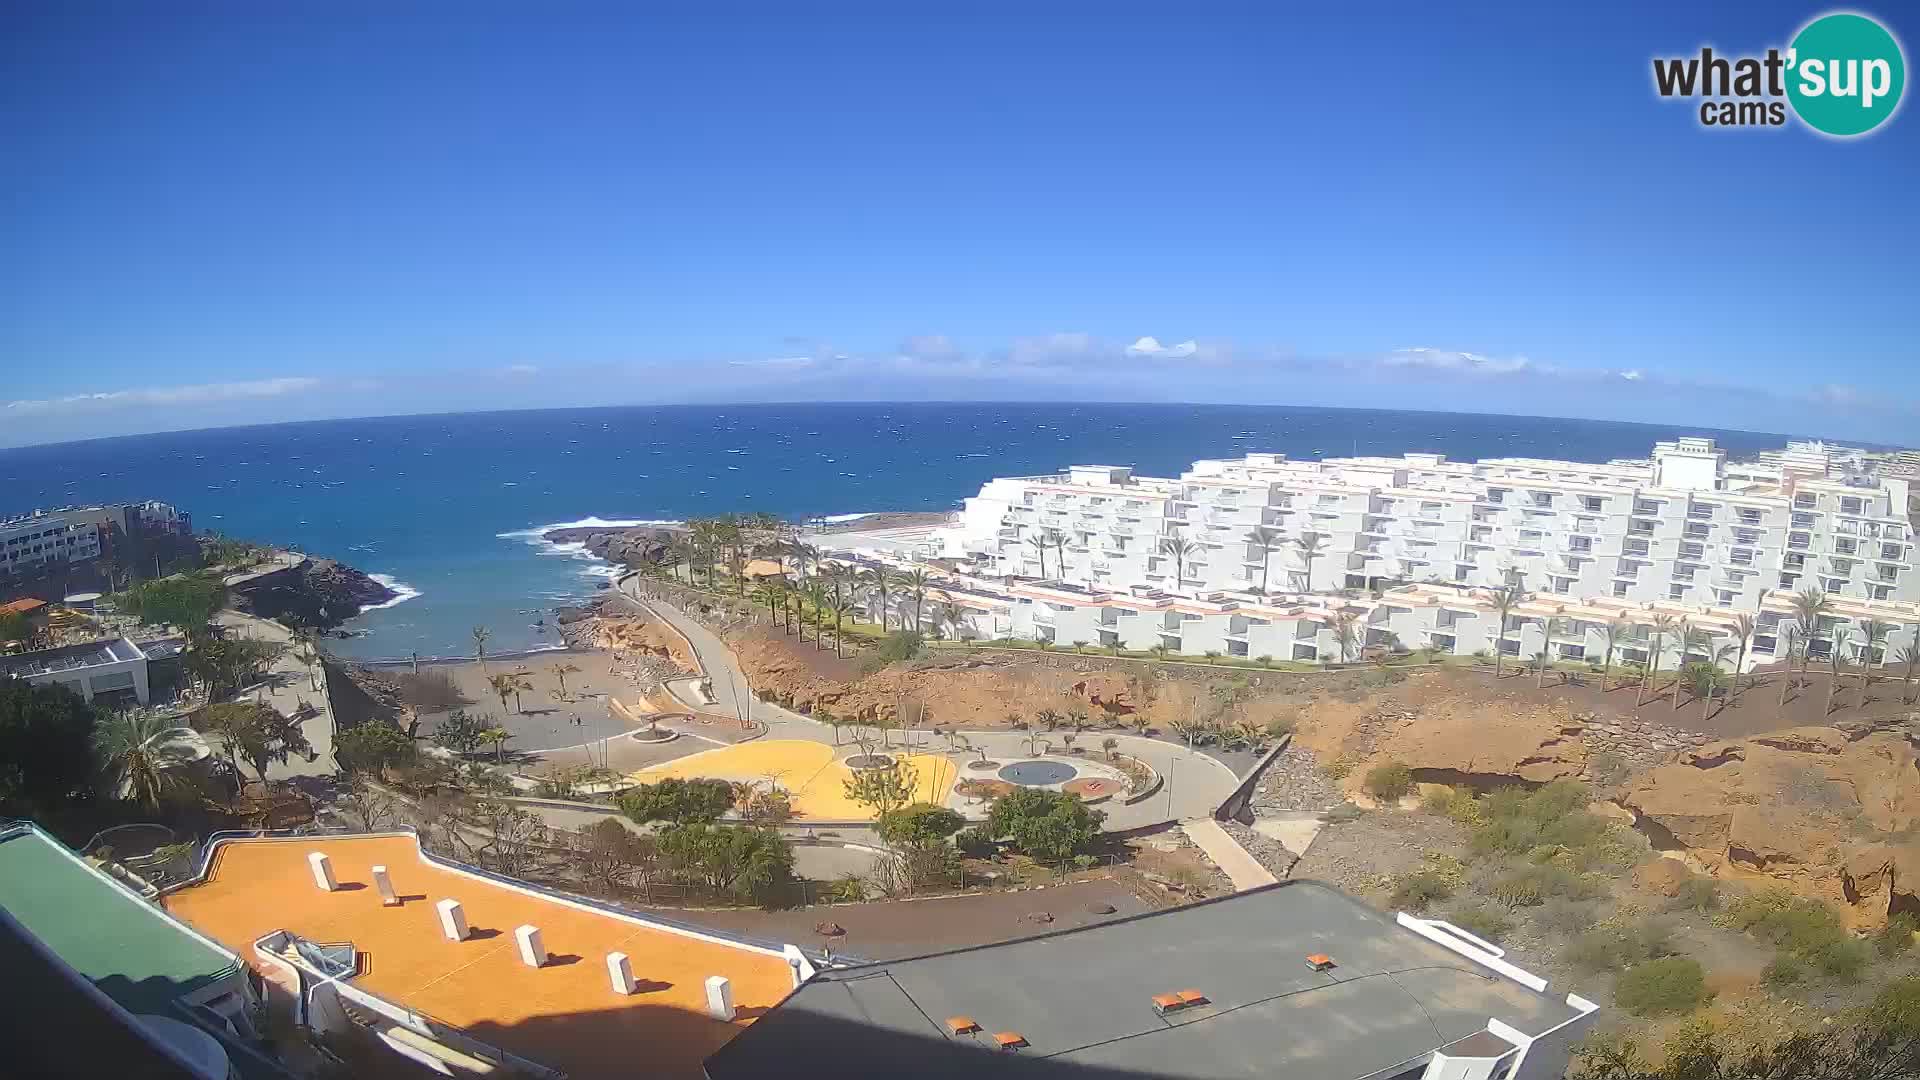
633	547
321	593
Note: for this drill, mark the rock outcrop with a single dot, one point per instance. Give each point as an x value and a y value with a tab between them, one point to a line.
319	592
630	547
1808	807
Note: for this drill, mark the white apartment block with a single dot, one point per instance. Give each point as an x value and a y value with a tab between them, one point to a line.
31	544
1684	533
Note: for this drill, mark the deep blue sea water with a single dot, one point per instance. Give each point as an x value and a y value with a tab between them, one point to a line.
449	508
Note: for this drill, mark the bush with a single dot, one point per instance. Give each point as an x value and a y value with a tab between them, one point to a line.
1048	825
973	843
372	747
1481	920
1897	936
1415	891
1784	970
1611	948
1806	929
1389	783
897	647
1519	822
1566	919
1697	893
681	802
1672	984
919	825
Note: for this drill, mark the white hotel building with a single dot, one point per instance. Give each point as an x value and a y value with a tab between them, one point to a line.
1685	533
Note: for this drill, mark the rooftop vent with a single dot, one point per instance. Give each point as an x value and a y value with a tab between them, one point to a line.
1320	962
1177	1000
962	1025
1010	1040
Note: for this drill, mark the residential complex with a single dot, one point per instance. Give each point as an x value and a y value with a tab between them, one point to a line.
1294	979
114	671
1418	542
47	539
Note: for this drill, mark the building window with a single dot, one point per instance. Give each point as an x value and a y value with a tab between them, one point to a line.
1696	530
1677	592
1843	546
1619	588
1850	506
1803	502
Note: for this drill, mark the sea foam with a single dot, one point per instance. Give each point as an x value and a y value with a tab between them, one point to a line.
403	592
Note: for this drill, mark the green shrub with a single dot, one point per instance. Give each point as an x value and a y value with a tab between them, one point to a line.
1842	960
1438	801
973	843
1697	893
1897	936
1671	984
1415	891
896	647
1533	884
1784	970
1481	920
681	802
1611	948
1390	782
1566	919
1807	929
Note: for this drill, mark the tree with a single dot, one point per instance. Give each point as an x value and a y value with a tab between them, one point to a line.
15	627
480	636
842	606
678	801
1873	640
1346	629
1505	599
46	747
919	825
1908	657
744	862
1837	662
1662	626
511	836
227	664
1703	677
1743	630
374	809
256	734
187	601
1180	549
1611	635
914	584
372	747
1809	605
1264	540
1039	543
460	732
952	615
1693	640
1794	645
499	737
560	672
1308	544
880	579
306	649
145	758
503	686
1048	825
882	790
609	853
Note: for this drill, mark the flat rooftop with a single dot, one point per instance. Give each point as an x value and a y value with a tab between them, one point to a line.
127	947
563	1015
1082	1000
69	658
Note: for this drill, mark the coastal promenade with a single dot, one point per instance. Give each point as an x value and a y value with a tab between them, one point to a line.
288	687
1193	783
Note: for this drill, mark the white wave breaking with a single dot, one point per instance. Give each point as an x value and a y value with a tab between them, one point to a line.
402	591
835	519
535	534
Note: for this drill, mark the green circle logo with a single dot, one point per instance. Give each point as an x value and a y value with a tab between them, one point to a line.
1845	74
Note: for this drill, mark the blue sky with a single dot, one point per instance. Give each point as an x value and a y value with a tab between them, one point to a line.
221	214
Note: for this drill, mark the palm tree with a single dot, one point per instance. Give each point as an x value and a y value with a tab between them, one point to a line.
1703	678
880	579
1795	643
1039	543
817	596
948	613
143	756
306	649
1808	605
1265	540
498	736
841	606
560	672
1908	657
1059	541
1611	635
1554	624
1692	639
1308	544
1346	626
914	584
1504	599
1743	630
502	685
1181	549
1662	626
1873	638
1836	660
480	636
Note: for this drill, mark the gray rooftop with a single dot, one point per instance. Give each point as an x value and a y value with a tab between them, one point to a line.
69	658
1082	998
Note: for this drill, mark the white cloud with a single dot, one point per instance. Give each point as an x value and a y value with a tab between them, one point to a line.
521	369
1631	376
198	394
1451	360
776	362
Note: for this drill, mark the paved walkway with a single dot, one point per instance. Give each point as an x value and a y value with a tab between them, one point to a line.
1193	784
1228	855
288	686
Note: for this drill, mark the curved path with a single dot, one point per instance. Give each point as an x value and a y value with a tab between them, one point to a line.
1193	783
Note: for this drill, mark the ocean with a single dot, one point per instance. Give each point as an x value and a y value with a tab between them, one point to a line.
448	510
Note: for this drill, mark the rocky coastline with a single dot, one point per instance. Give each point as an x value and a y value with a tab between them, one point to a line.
640	545
321	593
